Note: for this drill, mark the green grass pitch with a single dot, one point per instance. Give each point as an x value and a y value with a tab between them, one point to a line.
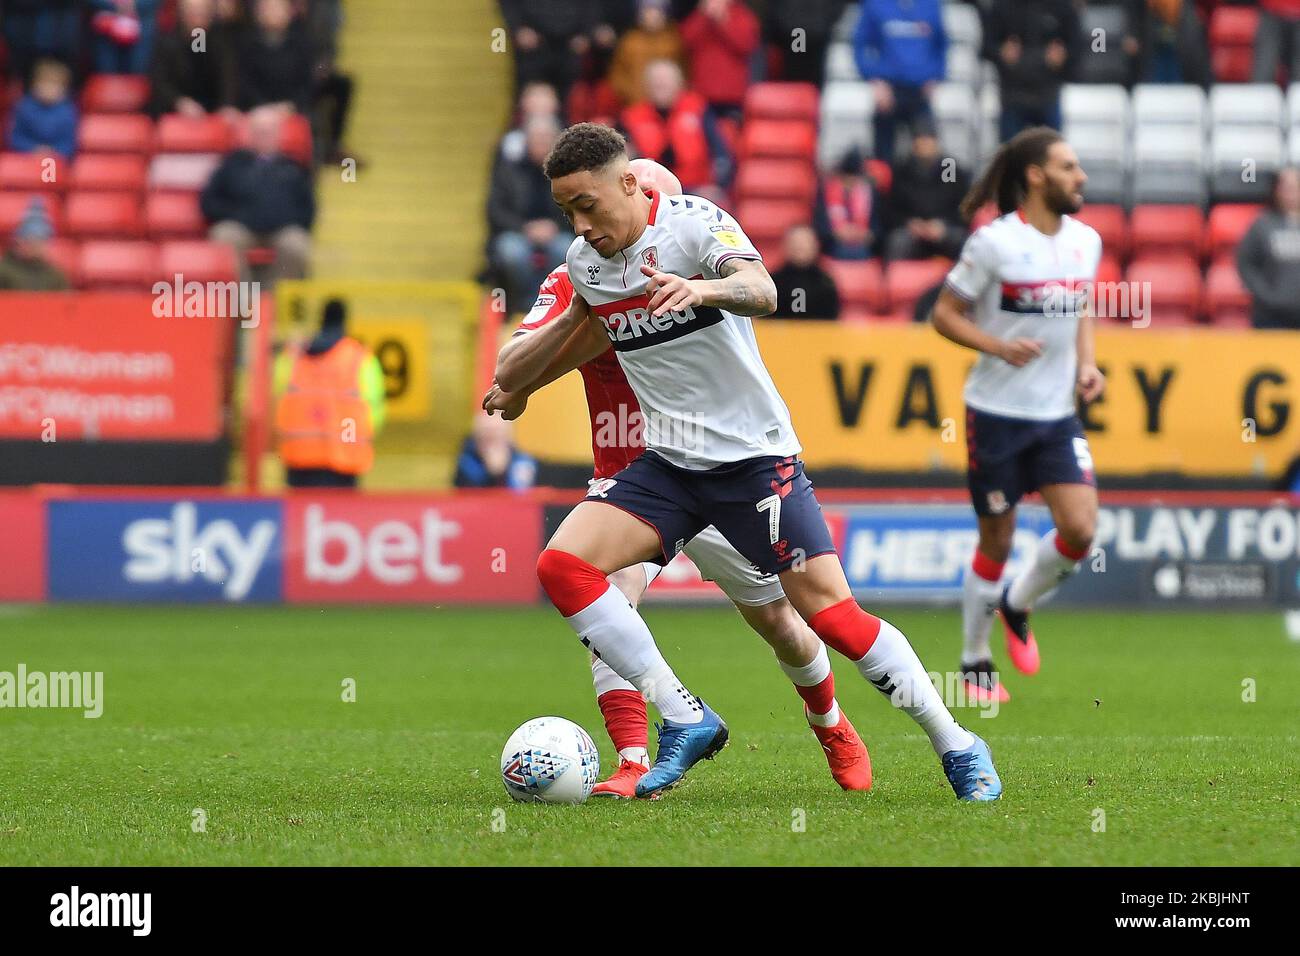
239	713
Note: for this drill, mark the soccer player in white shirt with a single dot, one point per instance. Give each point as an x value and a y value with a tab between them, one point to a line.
672	283
1019	295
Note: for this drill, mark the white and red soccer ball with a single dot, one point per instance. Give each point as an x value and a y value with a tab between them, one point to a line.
551	760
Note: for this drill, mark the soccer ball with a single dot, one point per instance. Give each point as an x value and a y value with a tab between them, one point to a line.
550	759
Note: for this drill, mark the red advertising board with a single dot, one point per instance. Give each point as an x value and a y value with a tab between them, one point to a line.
22	546
104	366
419	549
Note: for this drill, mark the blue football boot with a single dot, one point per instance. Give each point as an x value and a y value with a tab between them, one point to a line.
971	772
682	746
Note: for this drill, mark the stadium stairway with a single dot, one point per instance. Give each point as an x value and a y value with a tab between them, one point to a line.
428	108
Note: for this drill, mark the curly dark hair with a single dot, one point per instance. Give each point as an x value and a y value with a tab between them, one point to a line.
583	146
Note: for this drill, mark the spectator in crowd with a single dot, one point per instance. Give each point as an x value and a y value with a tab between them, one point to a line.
1033	44
1268	257
332	88
330	406
529	234
25	266
489	458
901	48
194	79
654	37
804	290
1278	40
1168	40
550	39
721	37
673	126
803	54
275	59
124	32
45	120
39	29
258	196
536	100
848	214
927	192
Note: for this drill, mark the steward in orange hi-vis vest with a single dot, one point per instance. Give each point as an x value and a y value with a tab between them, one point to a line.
325	420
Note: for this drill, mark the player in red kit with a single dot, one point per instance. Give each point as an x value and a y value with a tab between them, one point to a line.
616	441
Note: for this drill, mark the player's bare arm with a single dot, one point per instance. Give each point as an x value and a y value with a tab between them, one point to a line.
744	288
525	357
584	344
950	320
1090	382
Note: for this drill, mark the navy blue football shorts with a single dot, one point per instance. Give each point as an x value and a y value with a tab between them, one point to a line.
1009	457
764	506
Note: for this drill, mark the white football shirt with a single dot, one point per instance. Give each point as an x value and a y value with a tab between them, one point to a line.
1024	284
707	398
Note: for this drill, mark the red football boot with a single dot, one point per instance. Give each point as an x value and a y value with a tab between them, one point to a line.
622	784
846	753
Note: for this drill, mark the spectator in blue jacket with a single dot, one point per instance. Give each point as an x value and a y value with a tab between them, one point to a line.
901	47
489	458
45	119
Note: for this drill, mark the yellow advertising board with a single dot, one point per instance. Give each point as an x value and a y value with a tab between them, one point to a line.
888	398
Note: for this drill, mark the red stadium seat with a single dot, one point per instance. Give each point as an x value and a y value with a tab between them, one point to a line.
295	137
861	285
66	254
776	179
778	139
907	280
174	215
108	133
188	134
1111	224
1166	231
39	172
1174	288
113	93
199	261
184	172
13	206
1227	302
769	220
108	172
118	265
1228	223
1232	43
100	215
782	101
882	174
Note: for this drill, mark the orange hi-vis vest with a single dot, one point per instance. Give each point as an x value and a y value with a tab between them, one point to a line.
322	420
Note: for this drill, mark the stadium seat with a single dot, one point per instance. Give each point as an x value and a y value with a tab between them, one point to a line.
1111	64
108	133
14	205
906	281
1109	270
962	65
961	24
781	101
66	254
174	215
776	179
1167	231
861	284
1169	165
1110	222
295	137
118	265
778	139
1160	104
956	115
109	172
1232	42
37	172
187	134
1228	222
767	220
840	64
1101	105
1174	286
115	93
1227	302
882	175
1243	160
846	110
1246	104
188	172
104	215
198	261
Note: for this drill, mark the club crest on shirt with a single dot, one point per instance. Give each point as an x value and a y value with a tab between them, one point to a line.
650	257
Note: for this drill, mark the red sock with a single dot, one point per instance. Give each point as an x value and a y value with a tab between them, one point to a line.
847	628
625	718
570	582
1067	552
986	567
818	697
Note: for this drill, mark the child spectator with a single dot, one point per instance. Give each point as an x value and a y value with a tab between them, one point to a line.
848	215
45	119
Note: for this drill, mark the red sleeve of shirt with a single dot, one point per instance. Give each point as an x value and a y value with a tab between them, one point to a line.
553	297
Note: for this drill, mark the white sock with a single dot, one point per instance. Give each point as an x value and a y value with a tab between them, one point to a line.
893	667
605	679
810	675
1048	569
616	632
979	599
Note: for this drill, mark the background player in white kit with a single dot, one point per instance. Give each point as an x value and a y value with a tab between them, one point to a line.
673	281
1020	295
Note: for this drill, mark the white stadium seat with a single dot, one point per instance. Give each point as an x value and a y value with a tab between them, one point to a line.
840	64
1246	104
1161	104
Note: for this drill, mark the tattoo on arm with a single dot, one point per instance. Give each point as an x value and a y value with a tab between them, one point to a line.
744	288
